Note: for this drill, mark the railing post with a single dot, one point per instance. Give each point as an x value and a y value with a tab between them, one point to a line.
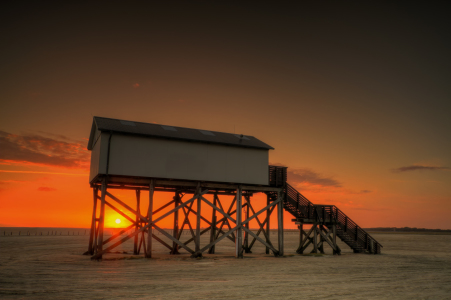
346	224
356	232
297	201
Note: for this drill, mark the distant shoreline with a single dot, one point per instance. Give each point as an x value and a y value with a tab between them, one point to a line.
390	230
407	230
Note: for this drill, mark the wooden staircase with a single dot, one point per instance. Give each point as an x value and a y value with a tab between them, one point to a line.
328	216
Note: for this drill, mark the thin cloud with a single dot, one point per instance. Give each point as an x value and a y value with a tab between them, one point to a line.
36	149
310	177
39	172
11	181
314	182
419	168
46	189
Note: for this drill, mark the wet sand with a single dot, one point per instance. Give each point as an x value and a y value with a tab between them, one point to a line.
411	266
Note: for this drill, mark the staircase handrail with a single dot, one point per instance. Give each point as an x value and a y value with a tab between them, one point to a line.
308	209
358	228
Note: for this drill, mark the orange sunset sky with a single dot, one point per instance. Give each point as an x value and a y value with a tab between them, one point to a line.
355	98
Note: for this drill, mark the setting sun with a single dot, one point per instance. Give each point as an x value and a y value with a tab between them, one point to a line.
118	221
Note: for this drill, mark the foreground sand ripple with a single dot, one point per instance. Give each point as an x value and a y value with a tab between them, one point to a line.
412	266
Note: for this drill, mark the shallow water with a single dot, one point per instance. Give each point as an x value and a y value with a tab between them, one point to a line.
411	266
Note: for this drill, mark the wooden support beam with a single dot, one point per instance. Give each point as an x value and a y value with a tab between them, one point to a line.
274	250
321	239
163	207
102	217
120	212
246	233
91	245
99	254
143	239
186	211
315	238
334	239
148	252
193	238
280	222
330	240
199	202
144	219
272	204
268	214
239	231
138	210
216	186
118	234
213	225
261	229
302	244
218	239
175	231
226	221
261	211
301	235
178	207
161	242
220	210
201	217
173	239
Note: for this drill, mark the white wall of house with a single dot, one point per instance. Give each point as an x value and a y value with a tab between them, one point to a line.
164	158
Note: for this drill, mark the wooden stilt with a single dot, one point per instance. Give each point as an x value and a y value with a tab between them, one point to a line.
148	249
301	239
92	246
142	227
213	225
268	230
226	221
246	234
138	209
321	239
262	227
239	231
315	238
101	218
280	223
334	238
199	202
175	232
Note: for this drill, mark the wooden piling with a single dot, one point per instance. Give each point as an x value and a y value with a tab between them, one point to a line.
137	220
239	230
280	222
150	219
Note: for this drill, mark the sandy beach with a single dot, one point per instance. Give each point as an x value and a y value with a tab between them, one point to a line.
411	266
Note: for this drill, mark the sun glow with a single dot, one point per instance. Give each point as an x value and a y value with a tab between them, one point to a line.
118	221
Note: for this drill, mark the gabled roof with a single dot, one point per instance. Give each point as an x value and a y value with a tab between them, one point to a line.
172	132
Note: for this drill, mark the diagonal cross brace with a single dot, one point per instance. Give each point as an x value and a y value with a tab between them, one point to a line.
99	254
